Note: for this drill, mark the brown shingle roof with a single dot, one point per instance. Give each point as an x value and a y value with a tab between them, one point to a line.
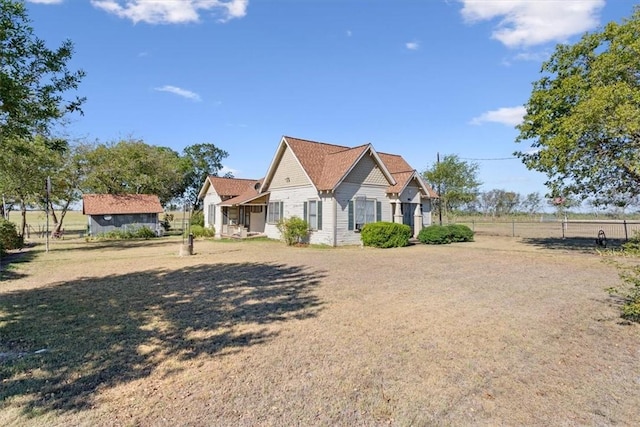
250	193
326	164
231	187
104	204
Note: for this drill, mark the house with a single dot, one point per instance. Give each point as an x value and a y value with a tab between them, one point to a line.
233	206
336	189
109	212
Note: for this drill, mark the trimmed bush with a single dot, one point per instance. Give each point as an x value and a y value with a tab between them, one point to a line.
294	230
434	235
385	235
460	233
200	231
443	234
9	238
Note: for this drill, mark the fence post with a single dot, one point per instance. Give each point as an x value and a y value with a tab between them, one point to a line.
473	225
563	226
513	228
626	233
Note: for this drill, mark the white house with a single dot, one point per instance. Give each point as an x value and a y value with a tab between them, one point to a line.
336	189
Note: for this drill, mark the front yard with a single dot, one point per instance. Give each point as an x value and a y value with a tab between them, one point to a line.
497	331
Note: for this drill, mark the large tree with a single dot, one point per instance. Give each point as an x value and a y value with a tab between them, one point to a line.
583	116
455	180
200	161
33	78
134	167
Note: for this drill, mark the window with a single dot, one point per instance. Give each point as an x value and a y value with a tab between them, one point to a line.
211	215
313	214
363	211
274	212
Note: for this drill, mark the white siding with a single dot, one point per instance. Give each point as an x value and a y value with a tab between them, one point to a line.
212	198
288	173
345	193
366	172
426	212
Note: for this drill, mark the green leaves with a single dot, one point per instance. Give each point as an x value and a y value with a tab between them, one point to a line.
455	180
33	78
583	116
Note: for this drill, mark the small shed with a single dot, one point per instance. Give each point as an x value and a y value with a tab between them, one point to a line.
107	212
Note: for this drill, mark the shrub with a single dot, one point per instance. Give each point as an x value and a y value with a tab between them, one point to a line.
385	235
632	247
197	218
9	238
143	232
629	292
434	235
200	231
460	233
293	230
443	234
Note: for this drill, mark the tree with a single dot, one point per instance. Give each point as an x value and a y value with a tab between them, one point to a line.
200	161
33	78
24	172
532	203
134	167
455	180
583	116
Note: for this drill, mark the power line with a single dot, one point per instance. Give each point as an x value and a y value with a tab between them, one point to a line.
491	159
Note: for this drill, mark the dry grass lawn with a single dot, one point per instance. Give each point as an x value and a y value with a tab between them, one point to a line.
494	332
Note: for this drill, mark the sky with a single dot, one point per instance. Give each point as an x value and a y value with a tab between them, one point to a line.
411	77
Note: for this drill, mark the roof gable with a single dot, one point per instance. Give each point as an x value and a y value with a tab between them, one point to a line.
104	204
326	165
227	187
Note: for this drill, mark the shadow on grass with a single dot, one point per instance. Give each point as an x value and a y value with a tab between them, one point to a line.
61	344
12	260
574	244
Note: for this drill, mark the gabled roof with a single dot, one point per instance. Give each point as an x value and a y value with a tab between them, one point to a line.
326	165
110	204
228	187
404	174
250	194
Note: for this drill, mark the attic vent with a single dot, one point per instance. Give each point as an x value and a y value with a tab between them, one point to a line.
256	186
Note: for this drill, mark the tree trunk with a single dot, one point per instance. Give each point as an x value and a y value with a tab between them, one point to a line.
23	210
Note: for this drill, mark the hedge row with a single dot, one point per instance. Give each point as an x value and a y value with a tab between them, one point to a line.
443	234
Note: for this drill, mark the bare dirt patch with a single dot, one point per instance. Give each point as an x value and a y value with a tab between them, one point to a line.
497	331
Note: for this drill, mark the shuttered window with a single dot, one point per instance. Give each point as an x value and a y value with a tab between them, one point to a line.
313	214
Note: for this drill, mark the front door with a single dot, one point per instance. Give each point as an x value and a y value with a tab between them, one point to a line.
408	210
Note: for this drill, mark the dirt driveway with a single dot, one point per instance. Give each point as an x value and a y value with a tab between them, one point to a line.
494	332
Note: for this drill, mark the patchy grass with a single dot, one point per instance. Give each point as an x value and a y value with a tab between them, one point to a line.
256	333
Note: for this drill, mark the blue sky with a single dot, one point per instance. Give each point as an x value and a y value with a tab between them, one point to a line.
412	77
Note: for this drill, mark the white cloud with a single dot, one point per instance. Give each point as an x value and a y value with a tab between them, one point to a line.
179	91
226	169
46	1
510	116
171	11
412	45
533	22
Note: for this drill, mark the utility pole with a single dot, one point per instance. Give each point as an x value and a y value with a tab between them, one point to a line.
439	189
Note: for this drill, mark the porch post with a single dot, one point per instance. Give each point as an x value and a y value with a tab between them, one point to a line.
397	216
417	220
